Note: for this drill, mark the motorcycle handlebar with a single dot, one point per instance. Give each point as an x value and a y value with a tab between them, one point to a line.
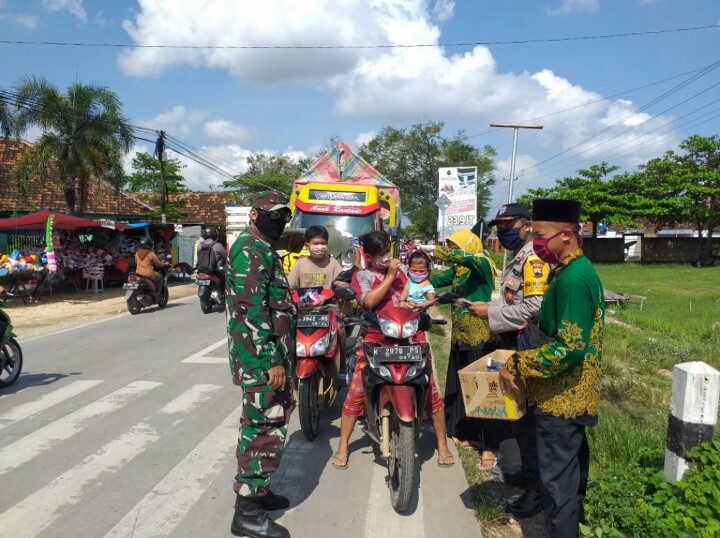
439	322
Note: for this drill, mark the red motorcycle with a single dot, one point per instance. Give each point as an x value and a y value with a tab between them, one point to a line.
396	380
316	351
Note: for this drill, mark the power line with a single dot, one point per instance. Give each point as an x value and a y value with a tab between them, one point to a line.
345	47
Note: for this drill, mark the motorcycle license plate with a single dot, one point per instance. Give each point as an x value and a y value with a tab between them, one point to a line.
203	282
131	286
314	320
397	354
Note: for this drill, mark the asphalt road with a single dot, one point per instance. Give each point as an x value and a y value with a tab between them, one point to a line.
127	428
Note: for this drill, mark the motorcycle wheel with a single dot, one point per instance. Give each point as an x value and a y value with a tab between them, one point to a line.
165	298
308	407
11	361
205	306
133	305
402	463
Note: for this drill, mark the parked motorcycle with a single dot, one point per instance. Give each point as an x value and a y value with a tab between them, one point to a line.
316	351
210	291
11	357
396	381
140	291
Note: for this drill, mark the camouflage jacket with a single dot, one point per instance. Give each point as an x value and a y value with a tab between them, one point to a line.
259	310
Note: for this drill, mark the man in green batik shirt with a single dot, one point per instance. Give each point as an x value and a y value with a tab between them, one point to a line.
563	376
261	332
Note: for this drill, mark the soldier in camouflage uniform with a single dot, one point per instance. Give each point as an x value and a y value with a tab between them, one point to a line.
261	330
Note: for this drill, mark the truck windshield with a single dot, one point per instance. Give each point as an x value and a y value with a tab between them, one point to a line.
349	226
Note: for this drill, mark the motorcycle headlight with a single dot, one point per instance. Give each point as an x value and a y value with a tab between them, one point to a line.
300	349
410	328
321	346
389	328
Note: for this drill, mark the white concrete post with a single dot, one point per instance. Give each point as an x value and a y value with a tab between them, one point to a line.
693	413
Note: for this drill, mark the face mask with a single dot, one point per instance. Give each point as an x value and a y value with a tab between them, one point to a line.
540	246
270	228
417	277
510	238
318	251
384	262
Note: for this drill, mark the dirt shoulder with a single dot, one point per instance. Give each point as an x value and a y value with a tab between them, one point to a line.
66	309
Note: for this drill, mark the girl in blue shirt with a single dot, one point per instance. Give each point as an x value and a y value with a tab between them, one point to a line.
419	291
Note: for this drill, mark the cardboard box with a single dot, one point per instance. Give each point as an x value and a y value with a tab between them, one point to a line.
481	390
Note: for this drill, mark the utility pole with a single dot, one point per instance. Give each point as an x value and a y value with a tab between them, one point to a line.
516	127
159	153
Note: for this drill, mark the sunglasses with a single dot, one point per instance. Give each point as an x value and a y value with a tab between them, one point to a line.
277	214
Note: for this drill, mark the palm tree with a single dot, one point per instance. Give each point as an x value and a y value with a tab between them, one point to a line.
84	136
7	126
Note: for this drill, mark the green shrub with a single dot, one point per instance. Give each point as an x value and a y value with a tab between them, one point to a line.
636	500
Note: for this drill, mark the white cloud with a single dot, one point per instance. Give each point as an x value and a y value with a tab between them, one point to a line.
568	6
363	138
178	121
231	159
443	9
26	21
74	7
229	132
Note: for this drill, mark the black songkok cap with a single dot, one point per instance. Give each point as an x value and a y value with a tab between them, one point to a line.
557	210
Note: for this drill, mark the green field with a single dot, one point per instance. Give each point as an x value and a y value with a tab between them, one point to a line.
679	322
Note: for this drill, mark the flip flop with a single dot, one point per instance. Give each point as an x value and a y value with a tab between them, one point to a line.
495	459
342	458
443	460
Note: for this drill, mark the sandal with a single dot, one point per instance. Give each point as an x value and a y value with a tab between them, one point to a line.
445	460
342	459
493	461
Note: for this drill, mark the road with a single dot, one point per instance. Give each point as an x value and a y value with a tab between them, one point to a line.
127	428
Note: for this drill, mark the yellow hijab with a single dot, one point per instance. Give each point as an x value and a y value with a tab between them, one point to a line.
471	244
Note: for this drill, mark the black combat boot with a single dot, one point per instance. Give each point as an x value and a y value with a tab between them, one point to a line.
272	502
251	520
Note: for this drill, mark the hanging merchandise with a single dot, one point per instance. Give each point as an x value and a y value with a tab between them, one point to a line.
49	248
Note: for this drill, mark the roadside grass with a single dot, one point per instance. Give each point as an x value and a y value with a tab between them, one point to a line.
640	349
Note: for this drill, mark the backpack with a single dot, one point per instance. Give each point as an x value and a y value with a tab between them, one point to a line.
206	258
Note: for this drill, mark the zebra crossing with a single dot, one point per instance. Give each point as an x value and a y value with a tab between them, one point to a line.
140	443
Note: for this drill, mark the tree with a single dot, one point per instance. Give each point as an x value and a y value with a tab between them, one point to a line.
411	158
267	172
7	126
84	137
686	188
147	181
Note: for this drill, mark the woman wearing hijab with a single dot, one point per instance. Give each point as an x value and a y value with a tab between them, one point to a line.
473	278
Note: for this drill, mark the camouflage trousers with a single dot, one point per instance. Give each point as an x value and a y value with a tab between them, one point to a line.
263	428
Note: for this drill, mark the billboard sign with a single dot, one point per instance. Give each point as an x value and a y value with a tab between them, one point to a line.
459	185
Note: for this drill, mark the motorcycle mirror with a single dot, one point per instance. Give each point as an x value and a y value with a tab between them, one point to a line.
445	297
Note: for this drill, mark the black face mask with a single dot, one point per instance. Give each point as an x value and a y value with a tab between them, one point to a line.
272	229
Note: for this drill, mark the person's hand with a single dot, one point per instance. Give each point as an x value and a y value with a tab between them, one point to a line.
411	305
509	382
394	267
480	309
276	377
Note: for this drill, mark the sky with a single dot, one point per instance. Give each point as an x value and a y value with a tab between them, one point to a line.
622	100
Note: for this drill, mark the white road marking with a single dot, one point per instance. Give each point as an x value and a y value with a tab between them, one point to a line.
35	513
162	510
55	397
200	357
381	519
26	448
190	399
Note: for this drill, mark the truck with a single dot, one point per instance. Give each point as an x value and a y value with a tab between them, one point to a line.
342	190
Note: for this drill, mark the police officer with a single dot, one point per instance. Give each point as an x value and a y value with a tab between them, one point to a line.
261	330
521	293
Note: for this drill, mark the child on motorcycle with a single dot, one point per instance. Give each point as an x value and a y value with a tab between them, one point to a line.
320	269
379	286
419	292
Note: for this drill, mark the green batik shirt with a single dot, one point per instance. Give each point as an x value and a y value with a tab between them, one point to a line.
259	310
472	279
563	377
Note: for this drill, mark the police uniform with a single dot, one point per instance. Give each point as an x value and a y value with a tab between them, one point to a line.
521	292
563	377
261	329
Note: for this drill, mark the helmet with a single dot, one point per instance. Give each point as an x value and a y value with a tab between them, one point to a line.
146	242
211	232
202	233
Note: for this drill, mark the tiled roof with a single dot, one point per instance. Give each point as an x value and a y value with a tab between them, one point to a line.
203	207
101	200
